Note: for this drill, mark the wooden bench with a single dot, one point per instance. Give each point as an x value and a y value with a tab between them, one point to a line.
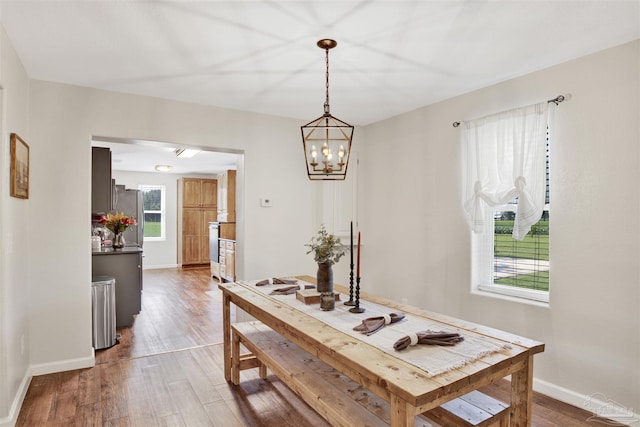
337	398
474	409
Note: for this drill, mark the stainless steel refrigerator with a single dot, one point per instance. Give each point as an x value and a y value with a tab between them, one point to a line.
129	202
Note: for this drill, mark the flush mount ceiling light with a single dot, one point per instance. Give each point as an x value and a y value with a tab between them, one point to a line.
164	168
327	137
186	153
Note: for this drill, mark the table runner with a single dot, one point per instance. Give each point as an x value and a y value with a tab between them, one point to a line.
434	360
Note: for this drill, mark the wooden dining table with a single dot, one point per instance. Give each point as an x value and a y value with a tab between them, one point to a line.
409	389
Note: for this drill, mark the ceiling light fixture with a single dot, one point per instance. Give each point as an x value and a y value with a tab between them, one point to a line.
331	134
164	168
186	153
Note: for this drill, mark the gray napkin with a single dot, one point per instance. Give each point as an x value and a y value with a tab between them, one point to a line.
277	281
374	324
430	338
288	290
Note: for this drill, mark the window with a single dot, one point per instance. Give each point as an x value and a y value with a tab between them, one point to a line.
153	197
518	267
506	201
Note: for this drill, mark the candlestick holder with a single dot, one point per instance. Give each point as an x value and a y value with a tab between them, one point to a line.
356	308
351	302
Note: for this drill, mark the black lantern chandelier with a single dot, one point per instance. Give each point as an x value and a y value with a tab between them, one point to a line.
327	139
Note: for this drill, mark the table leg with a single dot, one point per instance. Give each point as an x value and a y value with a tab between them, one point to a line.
522	395
226	335
235	358
402	413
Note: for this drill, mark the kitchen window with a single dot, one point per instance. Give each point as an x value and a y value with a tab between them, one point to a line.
153	200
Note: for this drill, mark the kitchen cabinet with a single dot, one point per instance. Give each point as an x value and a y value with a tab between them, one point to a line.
101	183
227	196
125	265
227	260
199	193
197	201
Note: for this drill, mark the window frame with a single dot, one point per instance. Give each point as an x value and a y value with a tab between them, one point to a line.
483	254
162	211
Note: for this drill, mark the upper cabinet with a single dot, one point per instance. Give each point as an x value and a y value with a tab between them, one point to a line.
199	193
227	196
101	186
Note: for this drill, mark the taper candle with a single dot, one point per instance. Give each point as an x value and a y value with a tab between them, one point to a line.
352	245
358	268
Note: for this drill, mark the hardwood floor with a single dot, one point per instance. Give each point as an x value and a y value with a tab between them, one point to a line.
167	370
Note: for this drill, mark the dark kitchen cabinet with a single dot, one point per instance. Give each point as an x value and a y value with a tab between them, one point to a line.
126	267
101	185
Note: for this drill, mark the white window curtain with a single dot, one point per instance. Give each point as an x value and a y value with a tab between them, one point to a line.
503	158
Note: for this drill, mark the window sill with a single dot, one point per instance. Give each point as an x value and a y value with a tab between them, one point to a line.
524	296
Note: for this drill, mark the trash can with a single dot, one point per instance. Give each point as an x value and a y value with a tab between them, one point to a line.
103	308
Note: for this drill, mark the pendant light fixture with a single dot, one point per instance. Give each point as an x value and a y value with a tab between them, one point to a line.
327	139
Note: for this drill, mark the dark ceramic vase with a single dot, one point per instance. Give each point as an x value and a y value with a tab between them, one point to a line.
324	278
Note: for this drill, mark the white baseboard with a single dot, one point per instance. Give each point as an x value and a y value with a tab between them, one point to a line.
10	420
157	267
42	369
596	403
64	365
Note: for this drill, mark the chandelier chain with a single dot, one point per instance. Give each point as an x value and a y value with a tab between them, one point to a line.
326	103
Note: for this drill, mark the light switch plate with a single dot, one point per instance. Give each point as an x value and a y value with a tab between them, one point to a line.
265	202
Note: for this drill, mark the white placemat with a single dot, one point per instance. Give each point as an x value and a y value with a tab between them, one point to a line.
432	359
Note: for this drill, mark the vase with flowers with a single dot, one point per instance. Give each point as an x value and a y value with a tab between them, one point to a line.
117	223
327	251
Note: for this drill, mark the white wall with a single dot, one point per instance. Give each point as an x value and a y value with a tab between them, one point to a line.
591	327
63	119
15	239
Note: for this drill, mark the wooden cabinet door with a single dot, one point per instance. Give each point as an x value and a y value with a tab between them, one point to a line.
230	204
191	222
191	250
209	193
191	192
191	236
230	264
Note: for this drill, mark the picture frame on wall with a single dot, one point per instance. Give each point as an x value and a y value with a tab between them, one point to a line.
19	167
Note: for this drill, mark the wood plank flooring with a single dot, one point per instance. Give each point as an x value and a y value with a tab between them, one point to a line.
167	370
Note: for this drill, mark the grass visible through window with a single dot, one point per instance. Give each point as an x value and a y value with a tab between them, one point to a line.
524	263
152	229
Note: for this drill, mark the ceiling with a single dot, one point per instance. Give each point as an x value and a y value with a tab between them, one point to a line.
142	156
261	56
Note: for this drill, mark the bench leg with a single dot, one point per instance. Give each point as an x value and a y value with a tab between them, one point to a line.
262	370
235	358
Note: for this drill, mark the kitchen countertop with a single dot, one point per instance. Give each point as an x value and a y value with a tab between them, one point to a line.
110	251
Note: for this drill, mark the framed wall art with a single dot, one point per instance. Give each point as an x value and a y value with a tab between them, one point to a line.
19	167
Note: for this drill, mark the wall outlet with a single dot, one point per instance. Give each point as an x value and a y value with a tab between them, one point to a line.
265	202
22	345
405	301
